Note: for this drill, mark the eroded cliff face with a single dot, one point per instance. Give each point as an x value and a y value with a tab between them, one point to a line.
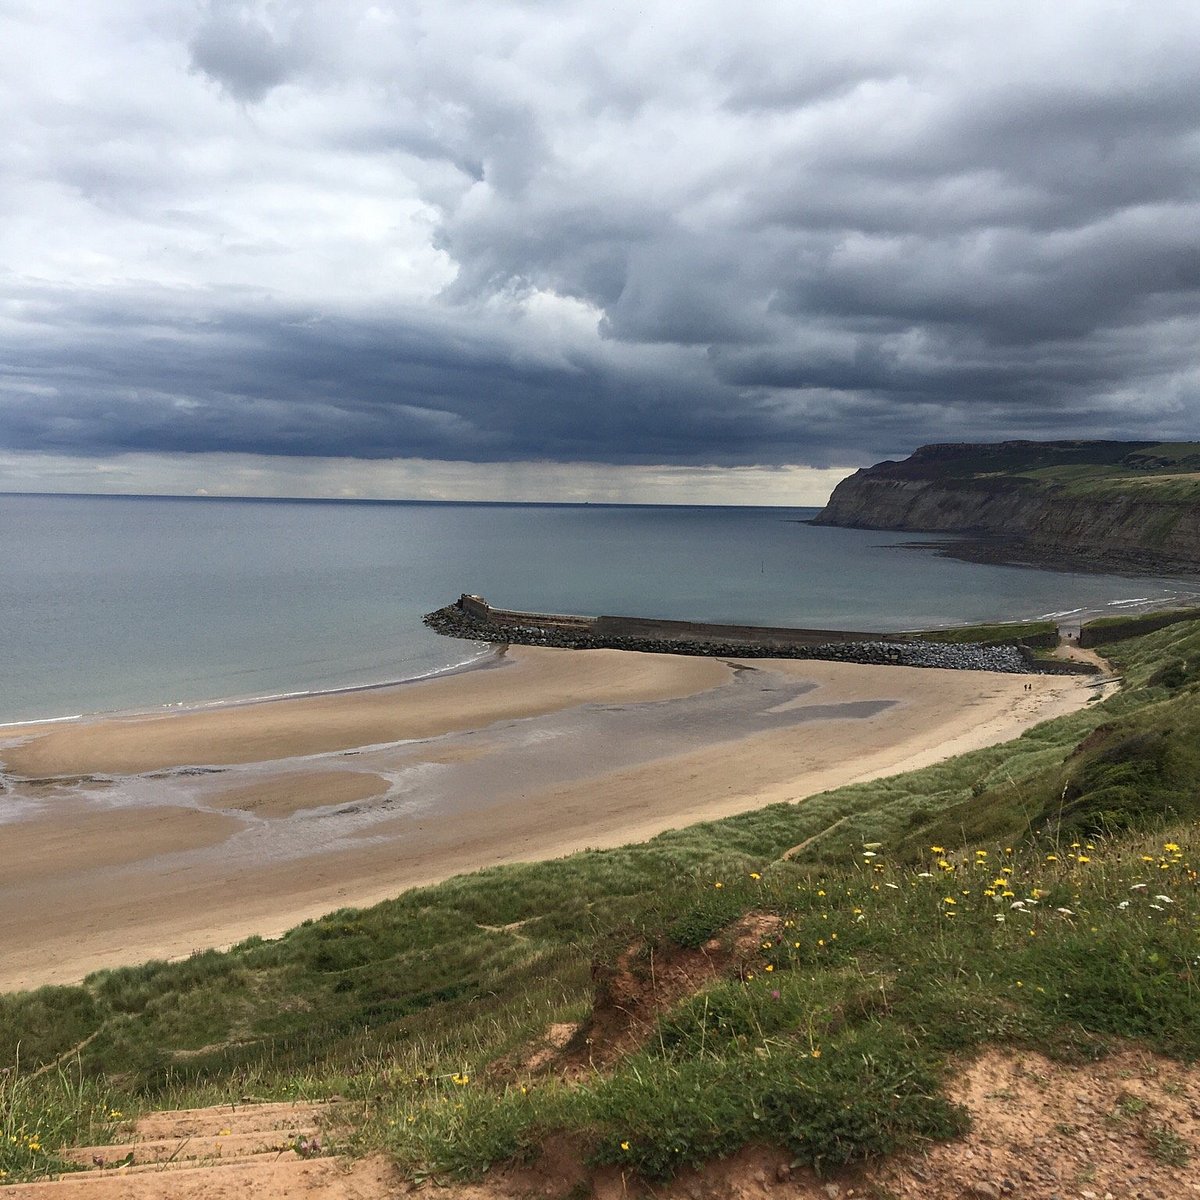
1043	522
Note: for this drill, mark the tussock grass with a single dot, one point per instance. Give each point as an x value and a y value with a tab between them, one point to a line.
834	1038
42	1111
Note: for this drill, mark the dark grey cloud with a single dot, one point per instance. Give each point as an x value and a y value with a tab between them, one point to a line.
678	234
235	47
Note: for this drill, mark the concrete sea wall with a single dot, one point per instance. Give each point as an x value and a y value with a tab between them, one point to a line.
471	617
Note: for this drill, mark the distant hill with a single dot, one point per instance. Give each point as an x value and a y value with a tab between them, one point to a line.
1121	505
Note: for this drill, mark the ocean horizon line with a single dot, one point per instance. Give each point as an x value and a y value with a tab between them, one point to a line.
393	501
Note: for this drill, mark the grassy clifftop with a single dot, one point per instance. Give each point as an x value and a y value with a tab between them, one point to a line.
804	975
1111	504
1168	470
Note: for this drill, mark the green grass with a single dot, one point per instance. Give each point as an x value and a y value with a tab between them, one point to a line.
1103	630
1163	472
42	1111
831	1039
1032	633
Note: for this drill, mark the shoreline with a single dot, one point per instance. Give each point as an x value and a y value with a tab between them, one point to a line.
491	655
131	849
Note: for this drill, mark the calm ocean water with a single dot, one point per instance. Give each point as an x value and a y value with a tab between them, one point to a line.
116	603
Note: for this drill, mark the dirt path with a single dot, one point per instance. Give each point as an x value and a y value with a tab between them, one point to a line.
258	1151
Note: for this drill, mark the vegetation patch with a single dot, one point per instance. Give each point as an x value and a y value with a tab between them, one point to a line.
1034	634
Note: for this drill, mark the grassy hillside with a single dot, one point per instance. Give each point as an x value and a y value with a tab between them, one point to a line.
802	974
1161	471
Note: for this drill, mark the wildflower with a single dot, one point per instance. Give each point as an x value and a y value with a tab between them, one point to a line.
774	993
989	891
1170	847
949	900
924	874
224	1132
1066	912
1052	858
1075	846
624	1145
769	967
1165	899
981	854
816	1052
1124	904
1083	858
1139	887
755	875
1019	983
115	1114
460	1080
718	884
820	891
938	849
1000	918
820	941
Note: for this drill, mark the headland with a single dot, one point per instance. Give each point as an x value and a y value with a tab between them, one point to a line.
1113	506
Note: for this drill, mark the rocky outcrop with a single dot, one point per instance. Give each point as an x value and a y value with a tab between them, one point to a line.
1034	520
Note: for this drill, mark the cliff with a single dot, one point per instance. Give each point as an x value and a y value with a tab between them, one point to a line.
1123	505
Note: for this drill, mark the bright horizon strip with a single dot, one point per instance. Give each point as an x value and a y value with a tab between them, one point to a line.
261	476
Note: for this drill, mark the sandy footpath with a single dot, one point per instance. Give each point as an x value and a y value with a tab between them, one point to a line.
138	837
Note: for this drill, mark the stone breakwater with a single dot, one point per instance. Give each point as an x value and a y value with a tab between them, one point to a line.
453	621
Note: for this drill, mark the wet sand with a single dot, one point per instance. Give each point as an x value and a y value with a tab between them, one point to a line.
171	833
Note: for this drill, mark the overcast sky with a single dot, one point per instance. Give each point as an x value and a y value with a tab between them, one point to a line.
696	250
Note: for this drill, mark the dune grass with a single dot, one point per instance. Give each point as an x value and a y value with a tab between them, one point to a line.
41	1111
1057	911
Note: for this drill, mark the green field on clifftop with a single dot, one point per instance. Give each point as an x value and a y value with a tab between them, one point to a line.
1163	471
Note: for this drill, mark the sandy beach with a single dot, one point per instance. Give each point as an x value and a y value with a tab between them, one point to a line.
152	836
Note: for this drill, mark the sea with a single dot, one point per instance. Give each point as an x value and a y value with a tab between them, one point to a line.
132	604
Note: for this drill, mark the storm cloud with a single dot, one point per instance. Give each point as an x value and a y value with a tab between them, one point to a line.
651	234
